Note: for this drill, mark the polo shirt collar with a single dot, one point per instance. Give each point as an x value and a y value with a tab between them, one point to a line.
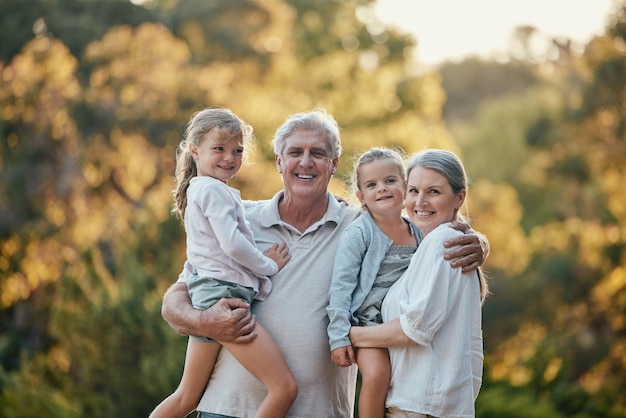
271	216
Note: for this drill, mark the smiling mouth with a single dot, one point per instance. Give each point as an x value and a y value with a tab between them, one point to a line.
383	198
305	176
423	213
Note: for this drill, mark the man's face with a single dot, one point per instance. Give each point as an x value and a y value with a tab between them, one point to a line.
306	164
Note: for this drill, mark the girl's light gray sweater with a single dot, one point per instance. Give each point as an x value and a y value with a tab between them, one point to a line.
362	248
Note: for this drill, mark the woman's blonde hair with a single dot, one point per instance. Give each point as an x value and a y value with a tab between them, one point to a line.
226	123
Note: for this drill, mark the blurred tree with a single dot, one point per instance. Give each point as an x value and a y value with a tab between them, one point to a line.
521	42
471	82
237	30
79	201
75	22
37	182
562	148
598	137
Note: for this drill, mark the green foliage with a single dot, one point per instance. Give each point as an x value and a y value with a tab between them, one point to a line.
116	347
511	403
27	395
219	37
562	146
76	22
472	82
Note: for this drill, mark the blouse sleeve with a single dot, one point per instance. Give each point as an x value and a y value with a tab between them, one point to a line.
249	204
430	288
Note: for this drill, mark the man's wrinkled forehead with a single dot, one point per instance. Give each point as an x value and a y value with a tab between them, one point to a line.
300	140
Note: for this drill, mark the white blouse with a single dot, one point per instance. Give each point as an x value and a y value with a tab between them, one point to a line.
439	308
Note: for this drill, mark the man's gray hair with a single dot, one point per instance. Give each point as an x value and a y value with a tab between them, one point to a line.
317	120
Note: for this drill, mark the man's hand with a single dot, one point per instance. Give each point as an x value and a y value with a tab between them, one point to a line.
229	320
471	249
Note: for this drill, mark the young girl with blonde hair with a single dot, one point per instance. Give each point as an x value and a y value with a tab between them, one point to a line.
373	253
226	263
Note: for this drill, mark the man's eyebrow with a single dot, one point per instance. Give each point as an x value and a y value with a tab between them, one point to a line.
300	148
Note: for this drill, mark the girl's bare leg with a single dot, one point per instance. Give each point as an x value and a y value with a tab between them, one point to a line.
199	362
263	359
375	369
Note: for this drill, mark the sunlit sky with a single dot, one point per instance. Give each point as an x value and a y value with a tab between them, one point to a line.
454	29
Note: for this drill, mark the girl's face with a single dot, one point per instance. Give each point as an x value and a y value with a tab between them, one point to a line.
381	187
430	200
218	157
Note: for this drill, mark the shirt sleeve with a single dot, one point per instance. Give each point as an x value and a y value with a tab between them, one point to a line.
249	204
184	275
220	207
346	269
430	287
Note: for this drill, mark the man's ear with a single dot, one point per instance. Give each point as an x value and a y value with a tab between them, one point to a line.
277	160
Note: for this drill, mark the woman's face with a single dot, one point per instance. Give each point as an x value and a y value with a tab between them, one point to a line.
430	200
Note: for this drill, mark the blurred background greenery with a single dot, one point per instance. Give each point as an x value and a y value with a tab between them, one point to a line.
94	96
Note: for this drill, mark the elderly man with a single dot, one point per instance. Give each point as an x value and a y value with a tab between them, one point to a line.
309	219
